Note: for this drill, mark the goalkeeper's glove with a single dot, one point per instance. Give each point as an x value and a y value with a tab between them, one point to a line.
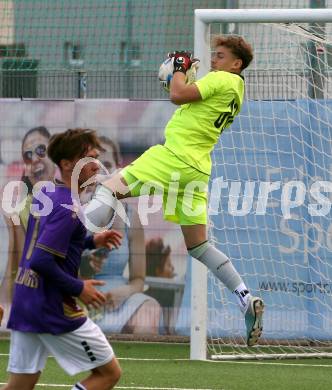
182	61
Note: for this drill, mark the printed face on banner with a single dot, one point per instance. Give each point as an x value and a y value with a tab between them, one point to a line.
152	256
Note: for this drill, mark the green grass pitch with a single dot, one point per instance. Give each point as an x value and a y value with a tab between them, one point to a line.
167	367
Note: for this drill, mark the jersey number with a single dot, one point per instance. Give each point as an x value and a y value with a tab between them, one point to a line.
226	118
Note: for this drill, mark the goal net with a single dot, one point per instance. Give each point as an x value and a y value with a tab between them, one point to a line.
270	194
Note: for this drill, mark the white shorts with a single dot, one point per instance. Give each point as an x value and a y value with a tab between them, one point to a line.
81	350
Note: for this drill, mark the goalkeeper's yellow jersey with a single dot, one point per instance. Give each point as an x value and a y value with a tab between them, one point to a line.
195	127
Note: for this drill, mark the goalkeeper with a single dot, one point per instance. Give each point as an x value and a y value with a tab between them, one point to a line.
207	107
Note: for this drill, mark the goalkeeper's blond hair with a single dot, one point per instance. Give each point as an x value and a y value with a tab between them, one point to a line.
238	46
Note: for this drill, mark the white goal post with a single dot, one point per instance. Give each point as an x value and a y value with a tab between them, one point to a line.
296	91
204	17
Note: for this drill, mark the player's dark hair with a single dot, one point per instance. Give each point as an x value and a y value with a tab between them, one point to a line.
238	46
156	255
115	148
72	144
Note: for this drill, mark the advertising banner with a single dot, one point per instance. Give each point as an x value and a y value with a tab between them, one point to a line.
269	210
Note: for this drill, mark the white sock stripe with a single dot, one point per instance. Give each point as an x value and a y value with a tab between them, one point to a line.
78	386
240	297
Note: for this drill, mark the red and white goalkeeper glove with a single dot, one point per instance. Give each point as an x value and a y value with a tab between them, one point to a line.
183	61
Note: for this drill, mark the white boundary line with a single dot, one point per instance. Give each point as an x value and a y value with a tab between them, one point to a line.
215	362
235	362
280	363
118	387
275	364
230	362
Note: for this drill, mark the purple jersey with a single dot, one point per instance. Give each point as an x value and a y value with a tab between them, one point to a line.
38	305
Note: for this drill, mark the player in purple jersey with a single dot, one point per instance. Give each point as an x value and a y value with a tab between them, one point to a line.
45	317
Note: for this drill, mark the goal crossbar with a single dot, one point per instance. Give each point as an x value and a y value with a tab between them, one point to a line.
203	17
301	15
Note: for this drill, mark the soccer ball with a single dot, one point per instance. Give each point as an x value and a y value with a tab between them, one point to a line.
166	73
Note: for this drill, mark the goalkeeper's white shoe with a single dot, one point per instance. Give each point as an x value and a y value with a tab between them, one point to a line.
254	320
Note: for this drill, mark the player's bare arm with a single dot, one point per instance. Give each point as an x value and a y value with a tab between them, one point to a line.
182	93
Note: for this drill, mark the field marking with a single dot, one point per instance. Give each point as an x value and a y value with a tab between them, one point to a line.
229	362
212	361
156	359
119	387
138	359
275	363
